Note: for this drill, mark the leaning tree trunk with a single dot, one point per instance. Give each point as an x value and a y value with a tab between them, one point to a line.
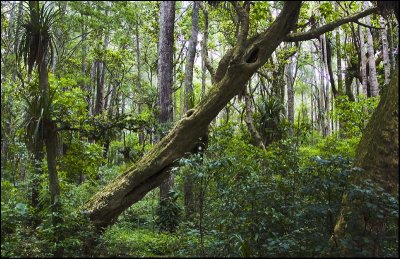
377	153
234	70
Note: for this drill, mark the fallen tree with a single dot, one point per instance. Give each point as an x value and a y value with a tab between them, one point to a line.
234	70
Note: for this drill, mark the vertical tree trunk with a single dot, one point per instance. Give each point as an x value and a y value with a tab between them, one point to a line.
98	108
165	65
191	54
50	139
391	48
385	52
339	58
290	93
38	156
189	101
328	48
85	86
322	93
139	75
363	61
373	81
100	71
256	138
325	84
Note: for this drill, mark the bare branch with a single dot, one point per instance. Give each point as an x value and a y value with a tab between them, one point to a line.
312	34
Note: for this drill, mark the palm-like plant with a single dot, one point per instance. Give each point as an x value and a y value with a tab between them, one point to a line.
36	50
271	111
37	42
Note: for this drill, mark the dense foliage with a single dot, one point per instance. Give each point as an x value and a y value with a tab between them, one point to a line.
280	198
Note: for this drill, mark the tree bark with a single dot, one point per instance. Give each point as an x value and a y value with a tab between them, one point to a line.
290	94
191	54
363	61
329	65
373	81
165	74
148	173
256	138
378	154
339	59
189	102
139	75
100	73
385	51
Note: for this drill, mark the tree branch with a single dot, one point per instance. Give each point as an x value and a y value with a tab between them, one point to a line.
312	34
243	16
206	59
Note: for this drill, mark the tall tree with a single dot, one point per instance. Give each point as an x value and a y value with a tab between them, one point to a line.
165	70
385	51
37	50
290	77
378	154
372	79
189	98
234	70
363	61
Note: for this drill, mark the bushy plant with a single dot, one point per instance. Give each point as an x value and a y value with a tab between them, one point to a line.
124	241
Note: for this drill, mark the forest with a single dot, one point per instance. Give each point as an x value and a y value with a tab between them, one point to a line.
199	129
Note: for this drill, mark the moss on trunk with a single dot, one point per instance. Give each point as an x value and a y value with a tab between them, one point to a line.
104	207
359	229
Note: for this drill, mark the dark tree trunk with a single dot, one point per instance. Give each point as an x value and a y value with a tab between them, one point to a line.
165	70
378	154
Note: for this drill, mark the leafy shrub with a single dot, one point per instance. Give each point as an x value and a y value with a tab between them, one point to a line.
122	241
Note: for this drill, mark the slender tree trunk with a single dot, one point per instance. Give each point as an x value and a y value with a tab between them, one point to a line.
391	48
290	93
385	51
50	139
339	59
98	108
329	65
373	81
139	76
363	61
165	69
189	101
191	54
38	156
256	138
100	71
326	84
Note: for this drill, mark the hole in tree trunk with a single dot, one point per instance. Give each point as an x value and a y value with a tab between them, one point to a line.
253	56
190	112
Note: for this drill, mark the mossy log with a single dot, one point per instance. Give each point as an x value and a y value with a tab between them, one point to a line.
105	206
